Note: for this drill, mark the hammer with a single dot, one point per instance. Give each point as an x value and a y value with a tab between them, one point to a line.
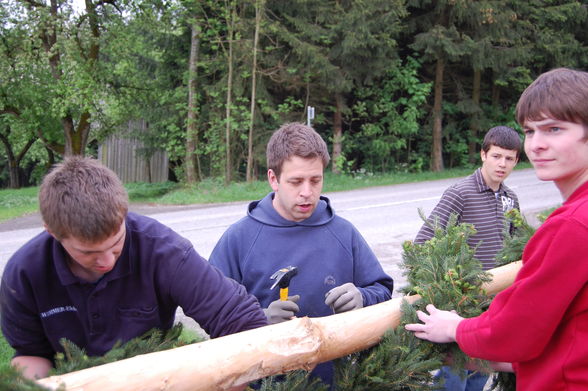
282	278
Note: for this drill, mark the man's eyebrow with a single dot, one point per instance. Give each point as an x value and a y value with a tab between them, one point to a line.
96	251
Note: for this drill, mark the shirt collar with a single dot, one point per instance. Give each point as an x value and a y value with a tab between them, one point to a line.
481	183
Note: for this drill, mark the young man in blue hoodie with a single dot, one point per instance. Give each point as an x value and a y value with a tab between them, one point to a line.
295	226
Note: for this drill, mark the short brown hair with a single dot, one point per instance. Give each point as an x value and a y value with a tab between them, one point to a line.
295	139
504	137
82	198
561	93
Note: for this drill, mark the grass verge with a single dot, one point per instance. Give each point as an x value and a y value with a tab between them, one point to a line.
19	202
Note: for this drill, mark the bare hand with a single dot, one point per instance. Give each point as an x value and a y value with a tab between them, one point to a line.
438	326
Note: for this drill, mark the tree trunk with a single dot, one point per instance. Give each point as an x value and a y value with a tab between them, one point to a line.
221	363
191	165
229	102
259	4
437	145
475	123
337	134
14	178
14	159
76	139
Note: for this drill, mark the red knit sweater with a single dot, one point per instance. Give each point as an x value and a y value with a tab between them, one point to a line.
540	323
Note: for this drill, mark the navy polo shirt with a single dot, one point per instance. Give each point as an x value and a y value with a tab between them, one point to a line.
42	301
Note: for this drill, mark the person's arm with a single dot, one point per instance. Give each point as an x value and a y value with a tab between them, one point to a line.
22	329
219	304
451	202
501	366
32	367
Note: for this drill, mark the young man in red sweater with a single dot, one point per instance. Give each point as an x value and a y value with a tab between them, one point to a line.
538	327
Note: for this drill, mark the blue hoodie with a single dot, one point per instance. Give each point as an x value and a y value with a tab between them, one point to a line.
327	250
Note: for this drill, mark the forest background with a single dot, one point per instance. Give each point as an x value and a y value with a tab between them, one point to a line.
396	85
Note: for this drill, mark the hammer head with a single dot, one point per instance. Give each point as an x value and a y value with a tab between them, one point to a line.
283	276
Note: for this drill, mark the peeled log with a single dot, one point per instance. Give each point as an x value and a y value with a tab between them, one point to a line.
236	359
502	277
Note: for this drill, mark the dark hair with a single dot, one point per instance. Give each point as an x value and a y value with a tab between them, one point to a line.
295	139
84	199
503	137
561	93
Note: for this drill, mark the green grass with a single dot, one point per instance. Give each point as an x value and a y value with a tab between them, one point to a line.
19	202
6	353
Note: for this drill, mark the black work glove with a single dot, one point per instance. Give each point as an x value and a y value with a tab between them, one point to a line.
344	298
282	310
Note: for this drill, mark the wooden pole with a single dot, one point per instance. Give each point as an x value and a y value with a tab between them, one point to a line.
502	277
222	363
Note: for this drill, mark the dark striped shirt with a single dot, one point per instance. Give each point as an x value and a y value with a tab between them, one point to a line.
475	203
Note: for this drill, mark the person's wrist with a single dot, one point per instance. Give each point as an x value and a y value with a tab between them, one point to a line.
452	329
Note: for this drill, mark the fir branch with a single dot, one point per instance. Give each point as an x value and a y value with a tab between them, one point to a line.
444	272
11	379
396	364
292	381
514	240
74	359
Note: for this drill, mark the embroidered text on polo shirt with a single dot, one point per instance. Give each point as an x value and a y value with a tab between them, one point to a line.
58	310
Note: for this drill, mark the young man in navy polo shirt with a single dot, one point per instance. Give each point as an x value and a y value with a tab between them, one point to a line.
99	275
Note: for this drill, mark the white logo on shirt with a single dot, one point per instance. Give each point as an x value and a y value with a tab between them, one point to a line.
507	203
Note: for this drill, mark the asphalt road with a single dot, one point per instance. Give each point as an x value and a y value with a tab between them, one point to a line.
386	216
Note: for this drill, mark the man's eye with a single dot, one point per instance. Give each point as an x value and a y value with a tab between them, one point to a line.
554	129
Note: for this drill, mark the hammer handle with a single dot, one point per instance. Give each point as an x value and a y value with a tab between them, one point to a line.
283	294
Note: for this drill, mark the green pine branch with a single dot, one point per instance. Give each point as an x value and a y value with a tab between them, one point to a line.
515	241
445	272
11	379
74	359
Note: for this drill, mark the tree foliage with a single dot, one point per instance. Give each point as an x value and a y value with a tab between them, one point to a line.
396	85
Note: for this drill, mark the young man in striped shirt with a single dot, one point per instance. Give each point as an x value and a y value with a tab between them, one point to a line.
480	199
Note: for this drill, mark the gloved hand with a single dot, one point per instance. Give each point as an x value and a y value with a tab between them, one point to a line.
281	311
344	298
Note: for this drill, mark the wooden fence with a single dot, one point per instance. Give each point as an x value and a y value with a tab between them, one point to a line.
127	156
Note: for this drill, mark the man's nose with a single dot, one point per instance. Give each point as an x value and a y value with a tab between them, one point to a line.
535	143
106	259
306	189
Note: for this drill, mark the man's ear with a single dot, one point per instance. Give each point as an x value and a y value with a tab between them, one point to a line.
483	155
273	179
